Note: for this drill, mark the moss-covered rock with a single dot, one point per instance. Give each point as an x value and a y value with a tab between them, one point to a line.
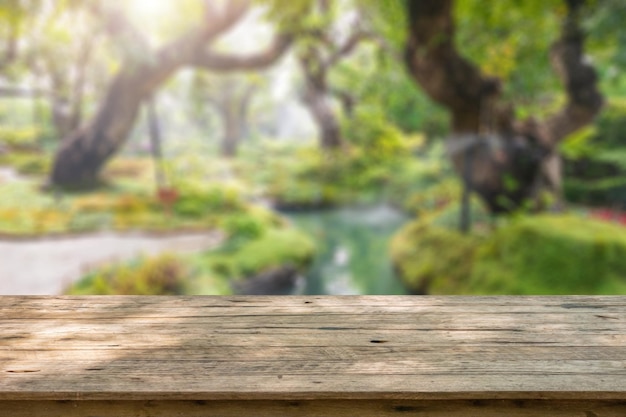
431	259
274	249
552	255
532	255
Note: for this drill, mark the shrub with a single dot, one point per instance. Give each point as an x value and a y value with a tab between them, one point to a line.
27	163
602	192
611	125
197	200
163	275
529	255
276	248
20	139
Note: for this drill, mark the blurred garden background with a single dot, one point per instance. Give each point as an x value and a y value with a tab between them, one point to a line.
312	147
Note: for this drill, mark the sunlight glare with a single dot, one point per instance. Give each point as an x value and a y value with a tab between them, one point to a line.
150	9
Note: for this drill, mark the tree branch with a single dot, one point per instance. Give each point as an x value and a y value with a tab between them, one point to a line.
131	42
216	22
348	47
445	75
220	62
347	100
584	100
22	92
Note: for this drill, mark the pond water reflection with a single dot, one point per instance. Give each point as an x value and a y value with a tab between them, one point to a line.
353	250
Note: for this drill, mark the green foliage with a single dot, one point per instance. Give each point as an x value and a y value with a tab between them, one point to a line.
603	192
433	196
596	160
25	210
19	139
432	259
611	125
162	275
578	145
295	16
373	135
275	248
552	255
245	227
27	163
196	199
510	40
605	23
529	255
388	18
380	83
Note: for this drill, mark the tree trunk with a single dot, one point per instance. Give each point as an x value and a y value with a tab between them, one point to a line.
511	161
84	152
232	130
318	103
232	104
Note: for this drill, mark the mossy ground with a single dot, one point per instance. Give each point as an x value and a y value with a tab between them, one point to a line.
545	254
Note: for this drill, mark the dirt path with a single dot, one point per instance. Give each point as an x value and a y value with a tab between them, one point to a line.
47	266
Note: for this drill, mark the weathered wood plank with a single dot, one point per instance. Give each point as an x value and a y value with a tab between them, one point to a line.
330	408
366	356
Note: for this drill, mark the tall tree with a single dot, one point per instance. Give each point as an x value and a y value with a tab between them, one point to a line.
84	152
506	161
230	97
319	51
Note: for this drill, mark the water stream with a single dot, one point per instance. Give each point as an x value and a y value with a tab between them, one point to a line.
353	250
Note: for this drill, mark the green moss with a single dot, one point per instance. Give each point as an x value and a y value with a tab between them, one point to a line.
552	255
529	255
276	248
432	259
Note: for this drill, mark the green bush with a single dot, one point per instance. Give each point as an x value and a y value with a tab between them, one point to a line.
603	192
27	163
276	248
432	259
163	275
611	125
552	255
245	226
529	255
20	139
197	199
370	131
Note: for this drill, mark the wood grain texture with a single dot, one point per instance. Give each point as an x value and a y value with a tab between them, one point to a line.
330	408
366	356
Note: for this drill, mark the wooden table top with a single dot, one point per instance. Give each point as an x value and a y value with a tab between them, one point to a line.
299	348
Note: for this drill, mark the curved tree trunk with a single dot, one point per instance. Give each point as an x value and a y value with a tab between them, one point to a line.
511	161
318	103
82	155
84	152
